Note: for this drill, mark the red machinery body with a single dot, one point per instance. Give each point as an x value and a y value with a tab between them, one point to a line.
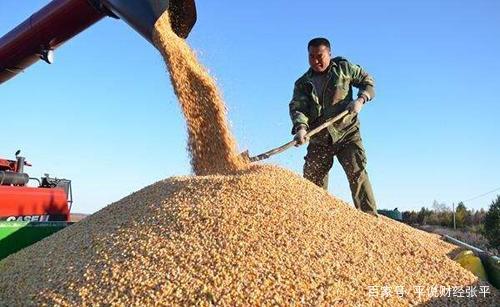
50	201
33	204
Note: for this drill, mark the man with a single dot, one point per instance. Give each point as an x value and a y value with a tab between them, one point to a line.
323	92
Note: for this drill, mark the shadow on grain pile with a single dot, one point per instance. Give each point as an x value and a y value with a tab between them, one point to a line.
260	236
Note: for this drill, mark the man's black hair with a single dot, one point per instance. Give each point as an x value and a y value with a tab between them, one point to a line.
318	41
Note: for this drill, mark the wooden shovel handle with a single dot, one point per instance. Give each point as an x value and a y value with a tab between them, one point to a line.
326	124
292	143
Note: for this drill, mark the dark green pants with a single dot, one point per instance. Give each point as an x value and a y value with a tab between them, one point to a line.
351	155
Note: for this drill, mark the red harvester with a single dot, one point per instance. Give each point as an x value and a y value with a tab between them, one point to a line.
50	200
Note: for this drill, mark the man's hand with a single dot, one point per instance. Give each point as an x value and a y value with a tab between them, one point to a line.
300	136
355	106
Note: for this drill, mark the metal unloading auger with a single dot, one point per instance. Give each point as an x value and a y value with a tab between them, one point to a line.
60	20
292	143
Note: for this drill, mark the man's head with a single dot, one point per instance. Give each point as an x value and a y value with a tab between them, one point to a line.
319	54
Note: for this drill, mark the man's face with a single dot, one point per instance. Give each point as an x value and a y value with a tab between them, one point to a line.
319	58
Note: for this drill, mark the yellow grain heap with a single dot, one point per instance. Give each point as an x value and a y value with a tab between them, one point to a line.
210	143
258	237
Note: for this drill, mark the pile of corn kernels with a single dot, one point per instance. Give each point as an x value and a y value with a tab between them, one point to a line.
261	236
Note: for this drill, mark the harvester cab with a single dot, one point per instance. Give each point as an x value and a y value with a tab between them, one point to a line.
49	200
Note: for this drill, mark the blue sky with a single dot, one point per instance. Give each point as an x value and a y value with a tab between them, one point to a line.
104	114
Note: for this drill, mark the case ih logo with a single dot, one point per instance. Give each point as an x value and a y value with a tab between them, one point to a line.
29	218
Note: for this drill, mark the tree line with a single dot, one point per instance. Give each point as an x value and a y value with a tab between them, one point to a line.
480	221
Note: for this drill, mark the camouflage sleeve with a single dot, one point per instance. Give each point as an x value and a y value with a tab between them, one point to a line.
298	107
363	81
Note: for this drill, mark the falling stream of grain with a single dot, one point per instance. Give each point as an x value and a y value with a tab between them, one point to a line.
210	143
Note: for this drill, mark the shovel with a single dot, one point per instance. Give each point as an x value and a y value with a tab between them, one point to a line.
292	143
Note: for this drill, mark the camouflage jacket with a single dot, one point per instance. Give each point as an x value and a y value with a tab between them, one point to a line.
305	107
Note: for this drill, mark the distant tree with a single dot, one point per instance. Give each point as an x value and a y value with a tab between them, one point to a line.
423	216
443	214
414	217
439	207
469	218
410	217
406	216
446	218
460	214
478	221
492	224
433	218
478	217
